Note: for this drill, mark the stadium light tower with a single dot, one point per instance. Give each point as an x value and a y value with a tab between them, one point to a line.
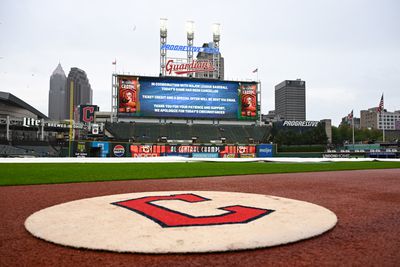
216	28
163	41
190	37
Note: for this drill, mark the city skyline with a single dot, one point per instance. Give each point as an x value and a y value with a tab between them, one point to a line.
346	51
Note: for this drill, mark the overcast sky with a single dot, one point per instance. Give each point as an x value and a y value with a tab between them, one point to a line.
347	51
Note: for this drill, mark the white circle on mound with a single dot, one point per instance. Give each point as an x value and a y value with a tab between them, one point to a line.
181	221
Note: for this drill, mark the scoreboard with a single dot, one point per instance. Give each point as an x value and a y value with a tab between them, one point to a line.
173	97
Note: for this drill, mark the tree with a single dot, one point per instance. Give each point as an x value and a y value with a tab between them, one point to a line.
310	136
343	134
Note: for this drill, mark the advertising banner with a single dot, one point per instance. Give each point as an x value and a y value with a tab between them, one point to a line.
95	128
196	49
264	151
228	155
128	93
107	149
186	155
248	155
248	101
186	98
119	150
205	155
336	155
298	124
194	149
103	146
138	151
246	149
80	150
231	151
144	155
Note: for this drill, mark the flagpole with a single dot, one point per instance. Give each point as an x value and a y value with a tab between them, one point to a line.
383	126
259	83
71	114
383	121
258	95
257	75
352	122
381	117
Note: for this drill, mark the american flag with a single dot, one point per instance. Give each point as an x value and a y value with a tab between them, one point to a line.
350	116
380	107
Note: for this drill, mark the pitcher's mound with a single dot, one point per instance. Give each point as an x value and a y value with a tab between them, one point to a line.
176	222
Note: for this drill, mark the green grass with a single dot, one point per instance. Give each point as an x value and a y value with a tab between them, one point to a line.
50	173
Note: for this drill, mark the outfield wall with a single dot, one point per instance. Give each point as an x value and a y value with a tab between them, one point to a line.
106	149
123	150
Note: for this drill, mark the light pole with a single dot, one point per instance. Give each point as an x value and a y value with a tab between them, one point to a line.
163	41
216	28
190	37
71	117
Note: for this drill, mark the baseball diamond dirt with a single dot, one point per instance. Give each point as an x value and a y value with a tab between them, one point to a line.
367	204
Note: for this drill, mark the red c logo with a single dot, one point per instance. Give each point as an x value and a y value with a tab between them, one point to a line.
88	114
170	218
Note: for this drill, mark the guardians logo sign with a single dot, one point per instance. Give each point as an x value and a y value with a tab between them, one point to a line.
86	113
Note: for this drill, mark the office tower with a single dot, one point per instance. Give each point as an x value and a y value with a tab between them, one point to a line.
82	92
202	56
57	94
372	119
290	100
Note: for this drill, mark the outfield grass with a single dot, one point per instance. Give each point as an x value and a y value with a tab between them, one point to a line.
51	173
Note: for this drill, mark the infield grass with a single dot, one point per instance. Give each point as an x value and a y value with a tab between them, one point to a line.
52	173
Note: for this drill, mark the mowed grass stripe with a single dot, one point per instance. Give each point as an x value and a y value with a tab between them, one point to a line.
50	173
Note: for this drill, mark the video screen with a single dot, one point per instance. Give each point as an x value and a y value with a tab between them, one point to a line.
186	98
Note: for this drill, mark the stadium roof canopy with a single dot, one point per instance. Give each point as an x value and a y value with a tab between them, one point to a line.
13	100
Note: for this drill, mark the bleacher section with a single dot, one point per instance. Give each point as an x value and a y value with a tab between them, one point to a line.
10	151
152	133
205	133
30	148
40	151
121	131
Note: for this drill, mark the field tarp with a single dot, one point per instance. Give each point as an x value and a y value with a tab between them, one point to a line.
184	159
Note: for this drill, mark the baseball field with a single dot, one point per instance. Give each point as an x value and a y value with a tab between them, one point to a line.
365	196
